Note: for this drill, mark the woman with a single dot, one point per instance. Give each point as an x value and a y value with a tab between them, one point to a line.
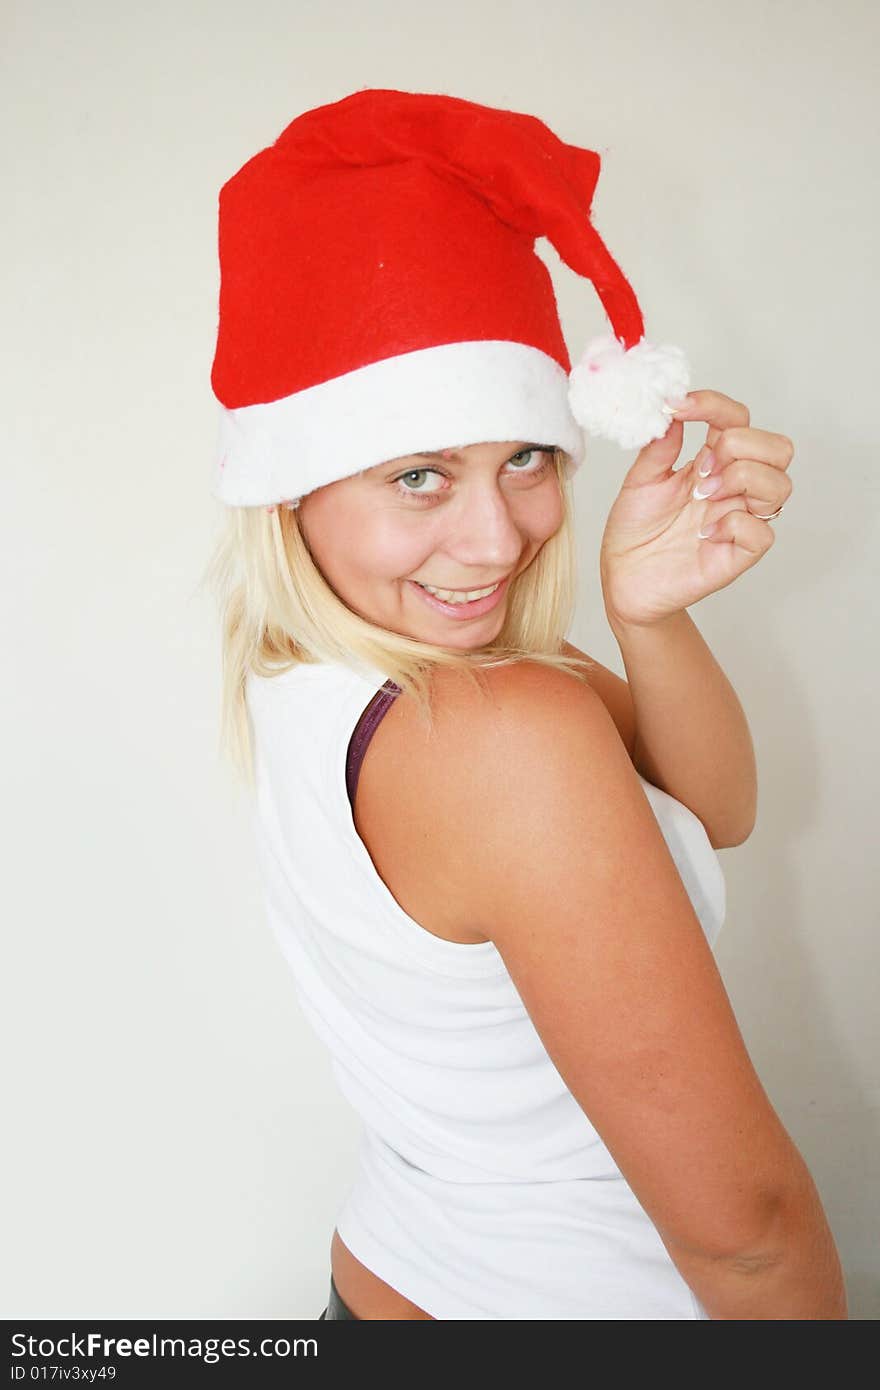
489	861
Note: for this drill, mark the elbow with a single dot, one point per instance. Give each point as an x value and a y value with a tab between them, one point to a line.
762	1225
730	838
747	1240
736	827
741	815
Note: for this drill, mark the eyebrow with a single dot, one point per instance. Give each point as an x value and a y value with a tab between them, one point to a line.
422	454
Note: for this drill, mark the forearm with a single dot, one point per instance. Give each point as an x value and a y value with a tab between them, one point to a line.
692	738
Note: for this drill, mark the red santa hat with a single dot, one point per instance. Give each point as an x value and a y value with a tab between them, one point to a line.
380	296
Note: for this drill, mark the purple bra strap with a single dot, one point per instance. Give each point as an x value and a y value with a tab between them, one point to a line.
366	727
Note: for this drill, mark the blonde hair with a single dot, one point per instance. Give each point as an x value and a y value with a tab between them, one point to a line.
277	609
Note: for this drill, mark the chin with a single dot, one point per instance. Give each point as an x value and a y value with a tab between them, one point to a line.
468	641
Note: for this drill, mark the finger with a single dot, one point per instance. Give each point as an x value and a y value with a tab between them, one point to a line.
720	412
741	528
655	461
762	446
761	483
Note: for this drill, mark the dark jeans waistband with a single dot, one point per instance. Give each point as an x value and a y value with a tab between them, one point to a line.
336	1310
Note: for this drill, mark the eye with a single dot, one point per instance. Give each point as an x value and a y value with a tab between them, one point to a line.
527	454
418	473
536	462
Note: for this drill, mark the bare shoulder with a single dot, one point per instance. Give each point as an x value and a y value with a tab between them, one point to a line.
505	689
499	755
491	727
530	743
416	787
480	725
423	790
523	690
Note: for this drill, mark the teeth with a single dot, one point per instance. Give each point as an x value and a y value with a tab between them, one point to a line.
450	596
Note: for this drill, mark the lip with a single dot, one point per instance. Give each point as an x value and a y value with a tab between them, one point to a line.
462	611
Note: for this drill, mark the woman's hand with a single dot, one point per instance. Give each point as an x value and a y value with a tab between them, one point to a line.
653	562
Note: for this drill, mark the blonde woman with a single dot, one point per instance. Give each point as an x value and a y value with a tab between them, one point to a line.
490	862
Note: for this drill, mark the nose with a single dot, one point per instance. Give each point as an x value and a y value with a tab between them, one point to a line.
483	533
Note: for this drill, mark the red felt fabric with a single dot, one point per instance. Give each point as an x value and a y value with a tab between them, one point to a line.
391	221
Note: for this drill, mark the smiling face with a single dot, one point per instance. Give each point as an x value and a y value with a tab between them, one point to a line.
462	519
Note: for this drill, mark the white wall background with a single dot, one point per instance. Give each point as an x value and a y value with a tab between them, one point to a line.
175	1144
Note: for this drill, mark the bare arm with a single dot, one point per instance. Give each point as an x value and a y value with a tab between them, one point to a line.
682	723
588	911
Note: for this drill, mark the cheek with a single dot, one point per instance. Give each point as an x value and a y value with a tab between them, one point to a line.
390	551
365	548
337	537
546	516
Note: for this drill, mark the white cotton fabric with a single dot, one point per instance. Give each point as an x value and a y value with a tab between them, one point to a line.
482	1189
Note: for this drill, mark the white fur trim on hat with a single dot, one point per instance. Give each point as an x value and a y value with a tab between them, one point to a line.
439	397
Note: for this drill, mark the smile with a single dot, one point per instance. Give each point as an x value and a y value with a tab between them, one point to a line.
464	603
459	595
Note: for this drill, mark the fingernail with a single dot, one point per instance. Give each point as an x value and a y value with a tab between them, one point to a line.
705	531
699	493
707	465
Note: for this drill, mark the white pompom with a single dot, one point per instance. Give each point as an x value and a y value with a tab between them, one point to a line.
624	395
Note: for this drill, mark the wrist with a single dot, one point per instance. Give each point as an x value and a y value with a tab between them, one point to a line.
628	630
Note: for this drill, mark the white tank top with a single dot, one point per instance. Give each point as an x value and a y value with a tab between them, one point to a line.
482	1190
